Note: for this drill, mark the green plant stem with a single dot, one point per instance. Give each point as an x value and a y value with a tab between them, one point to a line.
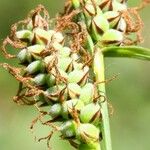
99	72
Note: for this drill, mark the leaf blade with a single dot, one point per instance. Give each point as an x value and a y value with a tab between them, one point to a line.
128	52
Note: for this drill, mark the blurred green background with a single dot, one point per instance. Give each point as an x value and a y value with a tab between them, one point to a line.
129	94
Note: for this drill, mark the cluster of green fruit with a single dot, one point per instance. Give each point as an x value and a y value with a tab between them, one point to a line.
65	79
67	82
104	21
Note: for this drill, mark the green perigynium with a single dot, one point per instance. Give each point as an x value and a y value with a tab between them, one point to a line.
68	129
62	71
91	113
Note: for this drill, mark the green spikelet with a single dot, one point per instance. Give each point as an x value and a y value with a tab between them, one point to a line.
91	114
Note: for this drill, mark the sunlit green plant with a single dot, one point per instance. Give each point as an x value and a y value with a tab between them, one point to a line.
61	65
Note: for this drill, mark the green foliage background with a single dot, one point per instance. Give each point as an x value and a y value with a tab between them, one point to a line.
129	94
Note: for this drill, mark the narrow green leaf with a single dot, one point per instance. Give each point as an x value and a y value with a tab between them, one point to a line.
127	51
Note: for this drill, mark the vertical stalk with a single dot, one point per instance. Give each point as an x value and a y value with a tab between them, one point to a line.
100	76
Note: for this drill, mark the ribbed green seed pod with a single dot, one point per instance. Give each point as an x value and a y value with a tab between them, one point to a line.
25	35
43	99
106	5
87	133
77	66
117	6
65	64
50	80
122	25
87	93
24	56
40	79
55	110
74	90
42	36
112	37
113	18
90	114
99	26
69	105
36	49
90	11
78	76
35	67
54	93
68	129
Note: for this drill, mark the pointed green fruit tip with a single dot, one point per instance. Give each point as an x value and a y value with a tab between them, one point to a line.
65	64
50	80
101	23
117	6
74	90
40	79
68	129
91	114
24	56
35	66
87	93
112	37
36	49
87	133
70	105
24	35
55	110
